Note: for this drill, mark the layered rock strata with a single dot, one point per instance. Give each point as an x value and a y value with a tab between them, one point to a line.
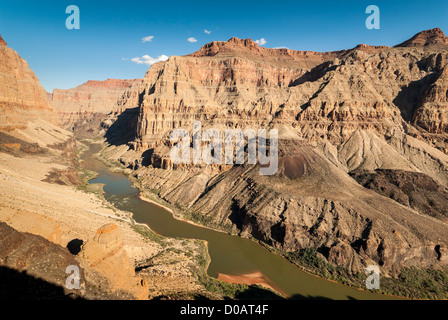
22	98
82	109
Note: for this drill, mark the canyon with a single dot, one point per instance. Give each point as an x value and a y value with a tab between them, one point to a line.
362	169
376	112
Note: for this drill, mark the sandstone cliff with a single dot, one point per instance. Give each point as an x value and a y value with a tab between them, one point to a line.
82	109
22	98
105	253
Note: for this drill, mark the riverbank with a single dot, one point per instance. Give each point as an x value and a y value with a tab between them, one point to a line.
255	278
167	208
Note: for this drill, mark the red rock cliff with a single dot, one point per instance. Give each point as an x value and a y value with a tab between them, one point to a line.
87	100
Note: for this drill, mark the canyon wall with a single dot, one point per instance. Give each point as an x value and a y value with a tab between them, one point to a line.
82	109
22	98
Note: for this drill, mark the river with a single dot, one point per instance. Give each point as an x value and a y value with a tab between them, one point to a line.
231	255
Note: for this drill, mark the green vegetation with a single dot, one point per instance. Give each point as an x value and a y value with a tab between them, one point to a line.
149	234
114	166
418	283
198	218
413	282
309	260
85	176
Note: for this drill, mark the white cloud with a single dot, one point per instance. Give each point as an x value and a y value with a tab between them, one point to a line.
207	31
147	39
261	42
148	60
192	40
280	48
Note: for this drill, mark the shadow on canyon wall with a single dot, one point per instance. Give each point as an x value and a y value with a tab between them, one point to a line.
123	129
410	96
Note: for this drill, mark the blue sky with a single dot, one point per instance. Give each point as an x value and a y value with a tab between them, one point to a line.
111	32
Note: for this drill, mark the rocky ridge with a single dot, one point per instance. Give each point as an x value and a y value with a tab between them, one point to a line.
427	38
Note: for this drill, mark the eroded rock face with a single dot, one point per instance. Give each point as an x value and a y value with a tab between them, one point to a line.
22	98
432	113
105	254
318	95
82	109
232	83
31	266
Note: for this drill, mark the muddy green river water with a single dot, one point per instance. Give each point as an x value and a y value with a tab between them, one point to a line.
230	255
